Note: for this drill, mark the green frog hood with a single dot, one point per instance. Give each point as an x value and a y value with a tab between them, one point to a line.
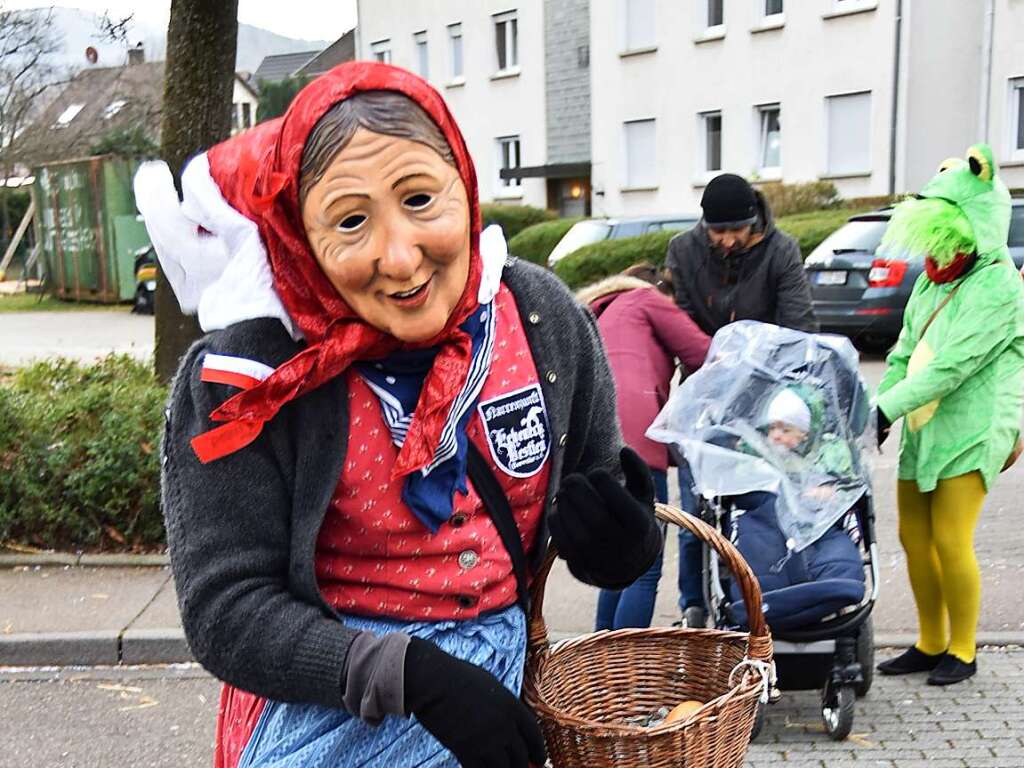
964	209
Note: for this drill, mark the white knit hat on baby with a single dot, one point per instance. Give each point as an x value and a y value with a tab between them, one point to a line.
789	408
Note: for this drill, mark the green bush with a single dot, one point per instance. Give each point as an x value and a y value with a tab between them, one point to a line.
79	456
536	242
595	262
787	199
513	219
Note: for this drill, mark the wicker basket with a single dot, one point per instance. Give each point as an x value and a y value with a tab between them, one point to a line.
583	690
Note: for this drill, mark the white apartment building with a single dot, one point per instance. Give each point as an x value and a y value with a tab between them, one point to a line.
486	57
797	90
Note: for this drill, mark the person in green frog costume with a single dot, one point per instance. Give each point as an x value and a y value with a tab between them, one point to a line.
956	377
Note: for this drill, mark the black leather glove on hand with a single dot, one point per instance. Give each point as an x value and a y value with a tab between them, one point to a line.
469	711
883	426
607	534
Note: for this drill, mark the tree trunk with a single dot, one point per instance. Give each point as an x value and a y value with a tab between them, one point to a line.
198	85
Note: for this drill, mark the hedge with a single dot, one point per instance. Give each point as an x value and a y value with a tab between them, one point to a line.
787	199
79	456
513	219
536	243
597	261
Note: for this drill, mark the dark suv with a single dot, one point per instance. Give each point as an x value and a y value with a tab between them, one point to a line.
861	293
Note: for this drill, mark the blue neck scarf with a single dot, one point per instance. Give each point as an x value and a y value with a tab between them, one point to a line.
397	380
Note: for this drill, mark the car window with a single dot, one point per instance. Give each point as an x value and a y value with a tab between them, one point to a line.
628	229
673	225
1016	238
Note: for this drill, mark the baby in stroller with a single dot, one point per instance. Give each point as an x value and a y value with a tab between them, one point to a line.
772	429
828	574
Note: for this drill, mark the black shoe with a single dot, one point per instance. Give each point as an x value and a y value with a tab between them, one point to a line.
952	670
694	617
911	660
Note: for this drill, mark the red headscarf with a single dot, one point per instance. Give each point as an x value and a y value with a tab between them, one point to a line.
258	174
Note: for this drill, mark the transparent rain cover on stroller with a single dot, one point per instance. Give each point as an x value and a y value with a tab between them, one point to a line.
720	418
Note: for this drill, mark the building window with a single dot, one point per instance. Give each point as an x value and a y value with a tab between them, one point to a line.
639	29
710	141
455	47
422	62
509	157
113	108
849	133
770	8
506	39
715	14
69	114
381	51
246	115
769	152
1016	115
641	156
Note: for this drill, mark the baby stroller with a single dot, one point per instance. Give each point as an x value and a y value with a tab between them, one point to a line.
772	429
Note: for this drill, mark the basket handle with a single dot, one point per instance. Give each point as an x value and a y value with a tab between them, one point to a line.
760	638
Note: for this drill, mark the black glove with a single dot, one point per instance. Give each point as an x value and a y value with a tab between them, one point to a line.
469	711
883	426
607	534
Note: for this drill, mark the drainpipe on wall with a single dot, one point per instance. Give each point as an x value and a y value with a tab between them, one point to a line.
985	97
895	97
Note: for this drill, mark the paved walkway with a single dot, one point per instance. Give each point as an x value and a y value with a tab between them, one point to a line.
903	723
85	336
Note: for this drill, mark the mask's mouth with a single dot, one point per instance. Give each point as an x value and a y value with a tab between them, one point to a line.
929	227
413	296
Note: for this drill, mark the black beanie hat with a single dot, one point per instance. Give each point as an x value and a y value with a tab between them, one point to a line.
729	202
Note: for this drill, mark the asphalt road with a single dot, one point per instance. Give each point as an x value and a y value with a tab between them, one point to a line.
85	336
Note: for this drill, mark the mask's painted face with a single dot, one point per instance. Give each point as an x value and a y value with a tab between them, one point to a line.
389	225
964	209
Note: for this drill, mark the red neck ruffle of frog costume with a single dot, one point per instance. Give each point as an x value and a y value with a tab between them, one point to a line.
258	175
960	265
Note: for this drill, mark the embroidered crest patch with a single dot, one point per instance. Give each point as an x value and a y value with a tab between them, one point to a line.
517	430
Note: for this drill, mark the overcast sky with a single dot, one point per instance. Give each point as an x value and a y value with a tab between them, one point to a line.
306	19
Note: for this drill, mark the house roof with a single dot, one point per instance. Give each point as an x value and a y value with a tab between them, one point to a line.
276	68
98	101
341	50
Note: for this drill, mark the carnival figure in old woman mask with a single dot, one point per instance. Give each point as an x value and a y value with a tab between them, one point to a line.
363	455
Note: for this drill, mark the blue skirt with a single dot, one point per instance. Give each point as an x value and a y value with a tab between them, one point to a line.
311	736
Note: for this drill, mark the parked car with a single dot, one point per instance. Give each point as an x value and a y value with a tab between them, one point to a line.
145	281
861	293
595	230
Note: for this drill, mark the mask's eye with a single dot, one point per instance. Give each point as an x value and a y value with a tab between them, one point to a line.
418	201
949	163
350	223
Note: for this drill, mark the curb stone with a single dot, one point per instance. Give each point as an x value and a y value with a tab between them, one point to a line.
32	560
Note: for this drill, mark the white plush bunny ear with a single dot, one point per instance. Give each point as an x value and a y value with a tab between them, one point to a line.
190	259
211	254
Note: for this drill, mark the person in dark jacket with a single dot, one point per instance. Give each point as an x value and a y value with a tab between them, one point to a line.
377	381
644	334
734	265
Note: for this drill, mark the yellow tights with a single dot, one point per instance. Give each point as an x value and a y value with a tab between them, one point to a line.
937	533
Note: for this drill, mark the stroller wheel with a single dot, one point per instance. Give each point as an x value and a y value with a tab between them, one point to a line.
837	711
866	656
758	721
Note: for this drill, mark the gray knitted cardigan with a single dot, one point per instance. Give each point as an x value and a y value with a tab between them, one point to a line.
242	530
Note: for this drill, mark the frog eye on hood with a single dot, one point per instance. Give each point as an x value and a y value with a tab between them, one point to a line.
950	163
980	165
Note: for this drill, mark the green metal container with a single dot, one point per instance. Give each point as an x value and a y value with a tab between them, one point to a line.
88	228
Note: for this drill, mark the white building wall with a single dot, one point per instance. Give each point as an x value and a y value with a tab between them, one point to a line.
240	96
942	82
1007	66
815	53
485	106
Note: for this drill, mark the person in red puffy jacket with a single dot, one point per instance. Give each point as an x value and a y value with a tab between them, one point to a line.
644	335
